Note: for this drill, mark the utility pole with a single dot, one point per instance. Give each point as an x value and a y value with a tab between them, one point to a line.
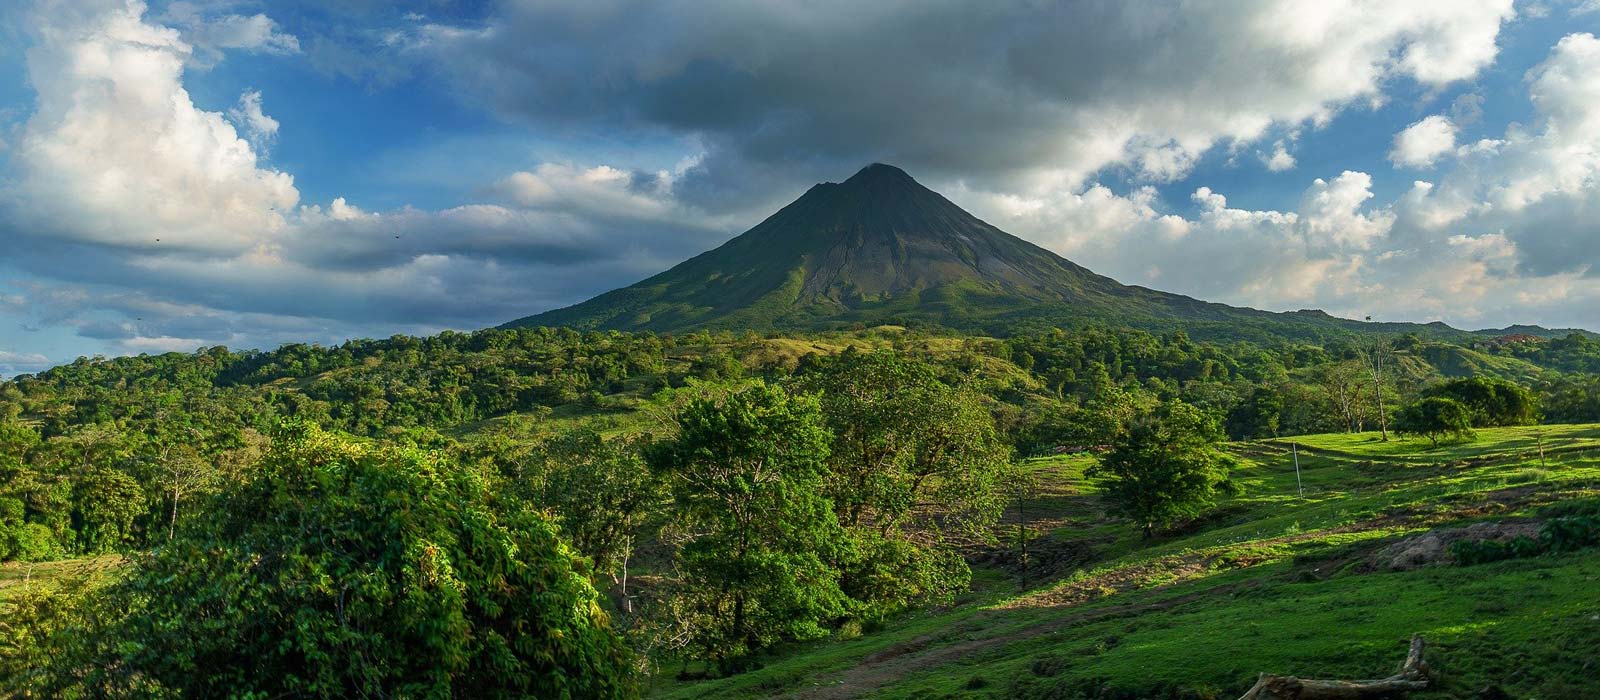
1377	383
1298	486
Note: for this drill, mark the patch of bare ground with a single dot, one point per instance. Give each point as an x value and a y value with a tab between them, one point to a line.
1434	546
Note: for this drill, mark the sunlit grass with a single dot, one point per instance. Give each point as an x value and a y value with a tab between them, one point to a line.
1273	582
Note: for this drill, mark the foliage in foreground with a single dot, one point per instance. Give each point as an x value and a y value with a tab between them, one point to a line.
342	570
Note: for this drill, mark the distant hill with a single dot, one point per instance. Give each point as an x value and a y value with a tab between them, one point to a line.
881	248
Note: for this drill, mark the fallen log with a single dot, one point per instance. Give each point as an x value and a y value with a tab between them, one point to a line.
1413	675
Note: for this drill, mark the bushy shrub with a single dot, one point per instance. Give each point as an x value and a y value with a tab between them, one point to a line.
1561	534
25	541
34	542
1435	417
1570	533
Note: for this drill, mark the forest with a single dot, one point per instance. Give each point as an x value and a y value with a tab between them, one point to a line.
551	513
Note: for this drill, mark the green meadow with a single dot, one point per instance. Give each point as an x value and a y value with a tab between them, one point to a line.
1272	581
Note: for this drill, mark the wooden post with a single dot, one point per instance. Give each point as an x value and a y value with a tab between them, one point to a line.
1022	534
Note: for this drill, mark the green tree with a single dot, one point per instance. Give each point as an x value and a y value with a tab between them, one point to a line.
22	540
603	493
746	474
1164	466
106	503
341	570
1492	402
1436	417
917	468
1258	416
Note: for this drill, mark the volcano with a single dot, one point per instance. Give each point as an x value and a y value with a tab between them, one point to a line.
880	248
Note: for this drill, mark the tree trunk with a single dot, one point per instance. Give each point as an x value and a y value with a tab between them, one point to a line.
1413	675
172	524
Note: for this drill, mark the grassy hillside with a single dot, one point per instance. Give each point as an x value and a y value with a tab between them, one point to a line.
1272	582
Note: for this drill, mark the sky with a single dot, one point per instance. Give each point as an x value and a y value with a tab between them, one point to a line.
245	173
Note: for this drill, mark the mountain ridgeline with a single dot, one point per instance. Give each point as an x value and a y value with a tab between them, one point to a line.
880	248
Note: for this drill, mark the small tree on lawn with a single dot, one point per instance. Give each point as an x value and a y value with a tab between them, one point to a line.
1436	417
1164	466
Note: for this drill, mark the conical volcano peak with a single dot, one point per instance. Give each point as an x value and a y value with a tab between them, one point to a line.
881	248
878	245
880	173
878	198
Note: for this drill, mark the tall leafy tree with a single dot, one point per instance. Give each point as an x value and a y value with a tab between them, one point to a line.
1164	466
746	474
603	493
917	469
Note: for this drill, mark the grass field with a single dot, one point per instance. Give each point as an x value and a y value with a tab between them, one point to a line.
1273	581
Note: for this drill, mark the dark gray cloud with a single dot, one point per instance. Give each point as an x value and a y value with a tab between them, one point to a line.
1002	92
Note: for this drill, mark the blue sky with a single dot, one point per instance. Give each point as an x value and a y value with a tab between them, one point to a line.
178	174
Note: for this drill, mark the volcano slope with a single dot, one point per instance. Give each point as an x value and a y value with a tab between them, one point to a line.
881	248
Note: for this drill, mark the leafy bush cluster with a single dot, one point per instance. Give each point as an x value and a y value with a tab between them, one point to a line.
1557	535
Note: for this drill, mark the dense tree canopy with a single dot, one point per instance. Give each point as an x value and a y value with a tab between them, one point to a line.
343	570
742	490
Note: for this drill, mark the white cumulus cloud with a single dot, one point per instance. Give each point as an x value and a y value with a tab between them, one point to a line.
1279	159
1012	95
1422	143
13	363
261	128
212	32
